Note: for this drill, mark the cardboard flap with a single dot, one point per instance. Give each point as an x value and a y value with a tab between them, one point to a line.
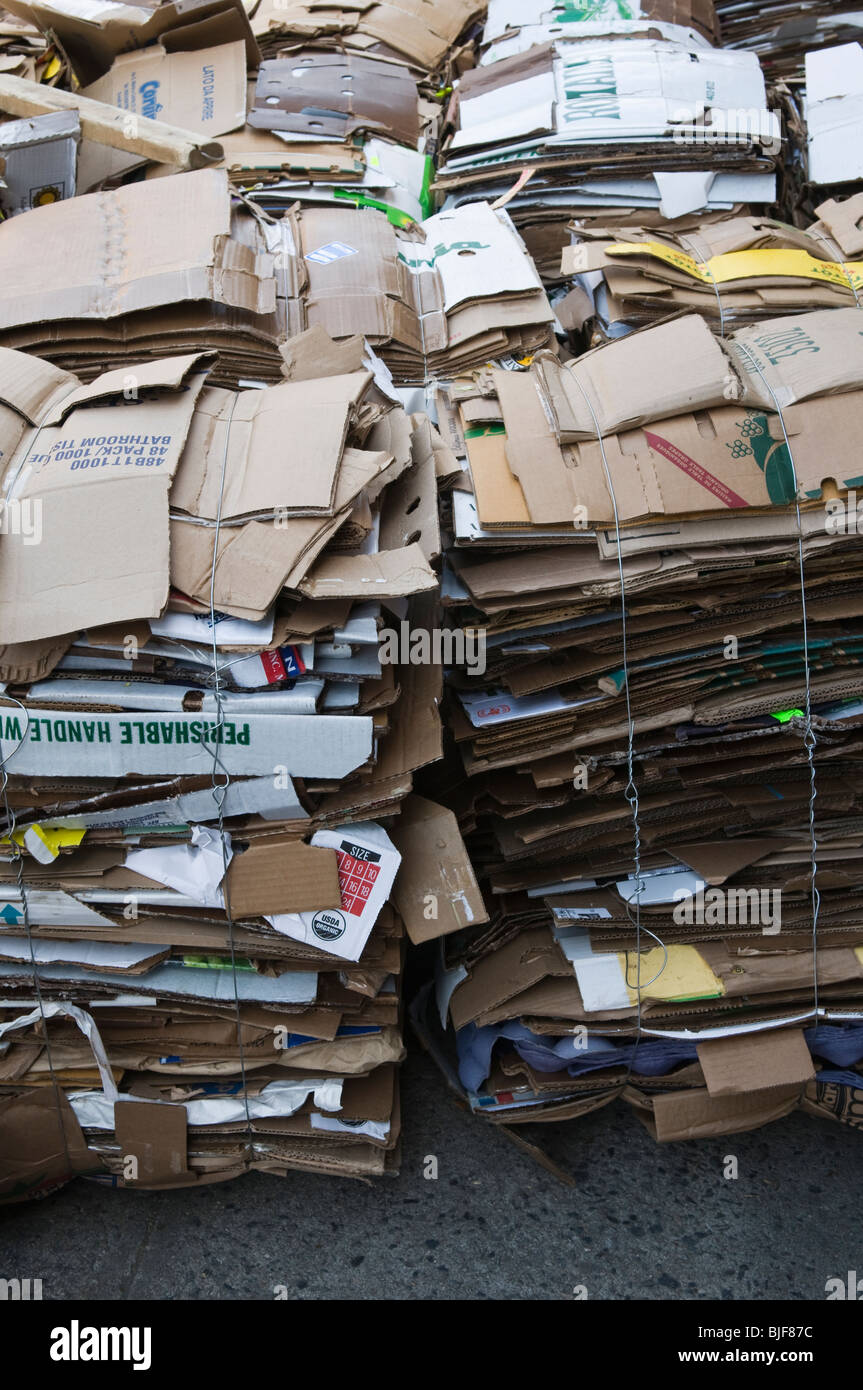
167	373
154	1134
293	877
760	1061
41	1145
435	890
698	1115
28	384
252	427
369	1097
315	354
717	860
507	973
389	574
335	94
660	371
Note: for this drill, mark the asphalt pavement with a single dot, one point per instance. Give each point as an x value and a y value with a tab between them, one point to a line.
639	1220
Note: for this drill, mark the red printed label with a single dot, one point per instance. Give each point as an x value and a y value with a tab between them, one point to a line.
358	871
274	667
694	470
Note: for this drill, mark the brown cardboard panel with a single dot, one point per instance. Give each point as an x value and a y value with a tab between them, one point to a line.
748	1062
499	497
203	91
289	877
388	574
67	263
91	567
698	1115
510	971
155	1135
336	94
435	890
717	860
260	476
409	508
42	1145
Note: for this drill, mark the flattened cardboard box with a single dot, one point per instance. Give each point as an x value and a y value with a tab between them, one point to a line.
755	1061
435	873
698	1115
421	32
261	476
44	742
334	95
283	878
203	91
834	113
93	35
96	475
726	458
38	158
67	261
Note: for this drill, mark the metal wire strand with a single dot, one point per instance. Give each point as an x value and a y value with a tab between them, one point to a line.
684	241
809	740
221	783
631	790
18	857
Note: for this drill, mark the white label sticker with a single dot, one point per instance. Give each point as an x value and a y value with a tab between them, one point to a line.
332	251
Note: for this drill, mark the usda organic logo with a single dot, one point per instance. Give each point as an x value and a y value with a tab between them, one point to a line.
329	926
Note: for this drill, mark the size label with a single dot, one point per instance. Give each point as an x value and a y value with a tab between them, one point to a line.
358	873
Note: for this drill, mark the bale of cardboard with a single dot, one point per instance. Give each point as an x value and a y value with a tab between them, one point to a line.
206	765
289	425
575	111
733	272
196	268
659	539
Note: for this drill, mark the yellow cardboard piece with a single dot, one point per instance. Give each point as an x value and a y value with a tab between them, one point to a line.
686	974
44	844
746	265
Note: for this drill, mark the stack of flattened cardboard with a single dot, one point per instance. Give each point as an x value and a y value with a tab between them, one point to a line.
152	268
513	26
204	762
413	32
733	272
325	123
23	50
321	127
573	110
188	269
833	115
782	31
456	291
652	909
338	127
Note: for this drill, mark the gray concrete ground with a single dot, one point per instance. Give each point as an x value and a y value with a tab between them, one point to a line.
643	1221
